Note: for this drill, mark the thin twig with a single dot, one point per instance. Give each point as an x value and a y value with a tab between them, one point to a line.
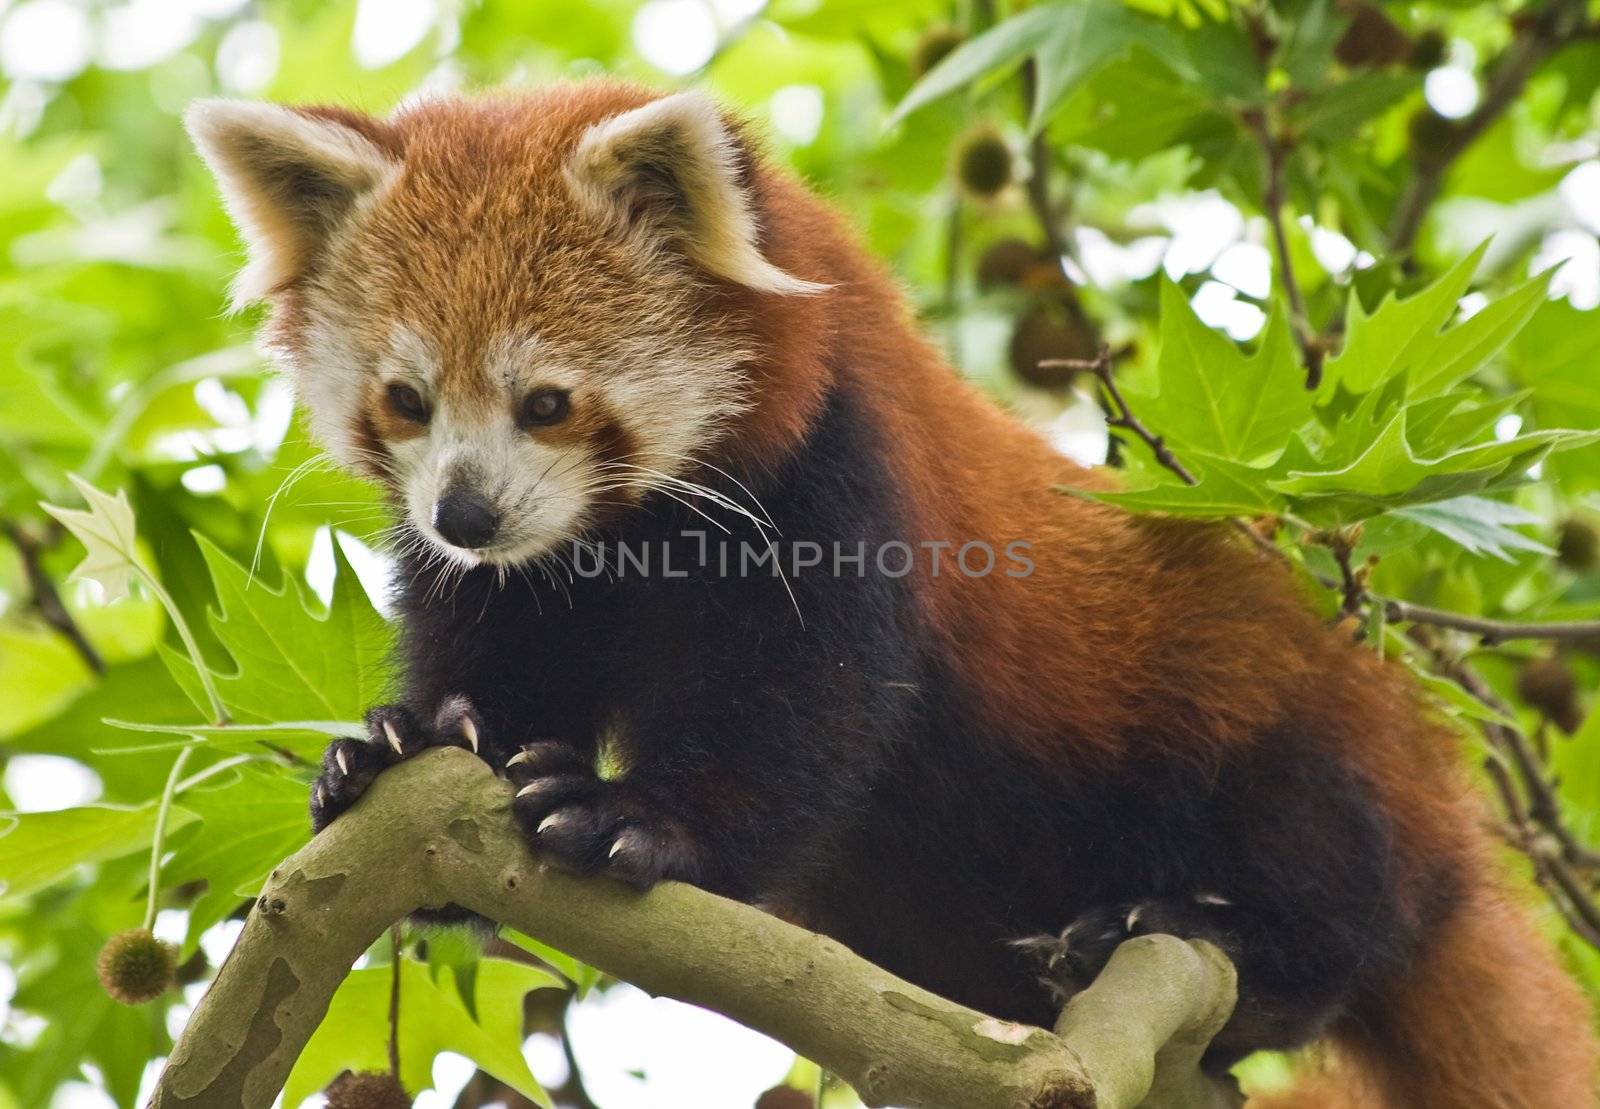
1120	415
1273	200
1492	632
1352	582
1556	878
45	596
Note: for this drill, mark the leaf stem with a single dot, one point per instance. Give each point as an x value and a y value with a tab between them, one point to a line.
219	714
159	835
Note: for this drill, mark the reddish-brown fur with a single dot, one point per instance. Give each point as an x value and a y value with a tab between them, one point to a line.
1124	620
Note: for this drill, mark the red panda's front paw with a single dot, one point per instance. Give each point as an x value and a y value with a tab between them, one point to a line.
393	733
586	824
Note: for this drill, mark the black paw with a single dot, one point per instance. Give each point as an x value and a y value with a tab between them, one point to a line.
1073	958
586	824
393	733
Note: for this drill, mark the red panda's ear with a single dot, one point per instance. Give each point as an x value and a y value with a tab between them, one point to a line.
673	173
289	177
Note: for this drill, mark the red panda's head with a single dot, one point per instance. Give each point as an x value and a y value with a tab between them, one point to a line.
515	311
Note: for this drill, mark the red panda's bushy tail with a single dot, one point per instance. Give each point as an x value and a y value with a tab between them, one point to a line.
1486	1019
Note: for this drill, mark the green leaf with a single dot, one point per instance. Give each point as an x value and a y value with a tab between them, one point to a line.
1466	347
582	976
38	849
292	662
1558	357
1002	45
433	1018
1480	525
1225	488
247	826
1336	112
1378	346
1389	475
1071	42
1210	396
77	731
1085	35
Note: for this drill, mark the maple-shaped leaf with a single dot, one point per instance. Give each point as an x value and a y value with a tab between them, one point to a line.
109	537
291	662
1411	335
1210	396
250	824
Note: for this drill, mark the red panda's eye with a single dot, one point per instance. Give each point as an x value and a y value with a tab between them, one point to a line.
407	402
546	406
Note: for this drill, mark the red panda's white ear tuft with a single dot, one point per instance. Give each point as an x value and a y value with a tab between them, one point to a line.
673	172
288	178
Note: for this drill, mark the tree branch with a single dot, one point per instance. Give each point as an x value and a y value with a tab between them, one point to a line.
437	829
1562	21
1275	149
45	597
1492	631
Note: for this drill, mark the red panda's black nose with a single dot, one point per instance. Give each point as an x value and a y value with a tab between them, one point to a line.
465	519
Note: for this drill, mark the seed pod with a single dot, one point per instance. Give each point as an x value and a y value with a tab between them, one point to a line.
1547	684
1044	334
1427	50
1578	546
1372	39
135	967
933	46
983	163
1006	262
366	1090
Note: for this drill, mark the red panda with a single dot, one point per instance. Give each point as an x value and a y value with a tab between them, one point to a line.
590	321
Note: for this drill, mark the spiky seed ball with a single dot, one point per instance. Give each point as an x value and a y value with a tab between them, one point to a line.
1006	262
1579	545
983	163
135	967
366	1090
1548	685
1043	334
933	46
1372	39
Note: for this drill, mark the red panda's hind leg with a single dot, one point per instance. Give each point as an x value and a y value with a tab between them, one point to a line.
1281	1004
